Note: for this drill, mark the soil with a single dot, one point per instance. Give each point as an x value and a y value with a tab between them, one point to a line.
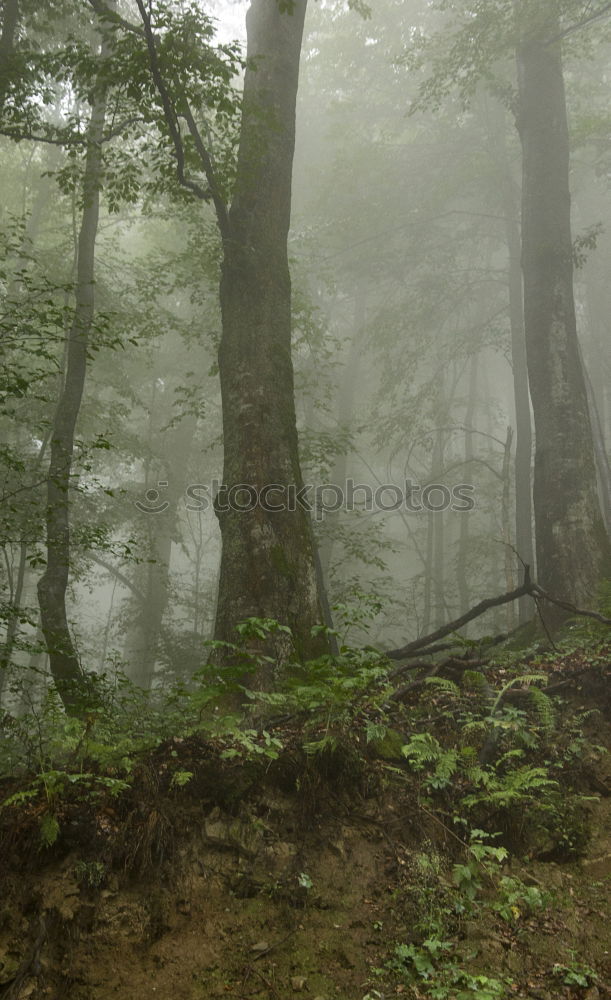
252	884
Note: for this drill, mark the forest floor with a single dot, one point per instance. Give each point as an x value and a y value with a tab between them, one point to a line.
330	874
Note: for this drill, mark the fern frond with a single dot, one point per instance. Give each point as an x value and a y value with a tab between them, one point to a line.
543	707
445	685
474	680
526	680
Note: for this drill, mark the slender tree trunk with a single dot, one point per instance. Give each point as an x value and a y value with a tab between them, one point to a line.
268	561
603	467
13	616
464	595
10	20
438	534
345	416
64	662
521	392
506	527
143	638
573	552
428	574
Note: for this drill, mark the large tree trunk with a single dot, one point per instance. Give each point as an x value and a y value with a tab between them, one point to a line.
63	658
267	565
572	546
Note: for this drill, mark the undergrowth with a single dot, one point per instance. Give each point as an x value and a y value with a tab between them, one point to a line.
497	764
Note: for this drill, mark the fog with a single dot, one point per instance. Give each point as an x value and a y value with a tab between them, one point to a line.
428	238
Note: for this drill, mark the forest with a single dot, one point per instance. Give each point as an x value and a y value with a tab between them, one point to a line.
305	499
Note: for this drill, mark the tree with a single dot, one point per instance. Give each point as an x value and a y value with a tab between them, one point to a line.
268	565
572	546
52	586
573	551
10	21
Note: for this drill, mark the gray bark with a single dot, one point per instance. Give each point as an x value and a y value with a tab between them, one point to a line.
268	563
10	21
573	552
52	587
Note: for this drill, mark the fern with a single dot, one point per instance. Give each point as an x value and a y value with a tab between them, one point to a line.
517	786
422	750
526	680
474	680
444	684
544	709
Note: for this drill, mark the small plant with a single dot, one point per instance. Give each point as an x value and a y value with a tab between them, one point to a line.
482	860
90	873
305	881
180	779
433	969
514	899
425	753
575	974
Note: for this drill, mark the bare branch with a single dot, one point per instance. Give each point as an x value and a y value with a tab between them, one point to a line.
538	591
595	16
111	16
469	616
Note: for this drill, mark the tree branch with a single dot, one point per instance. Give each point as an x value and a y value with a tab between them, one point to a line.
528	589
204	155
171	118
538	591
479	609
604	10
111	16
118	575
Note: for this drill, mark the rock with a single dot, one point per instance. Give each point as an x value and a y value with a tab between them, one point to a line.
298	983
9	966
260	947
228	832
592	994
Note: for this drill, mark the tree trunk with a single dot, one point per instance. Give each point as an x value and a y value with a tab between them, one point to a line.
268	563
521	392
10	20
462	564
345	419
573	552
143	638
438	533
64	662
506	527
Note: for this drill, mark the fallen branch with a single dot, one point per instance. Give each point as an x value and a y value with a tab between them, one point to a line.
490	602
429	644
538	591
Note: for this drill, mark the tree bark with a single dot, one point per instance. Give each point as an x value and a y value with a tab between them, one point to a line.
506	525
465	523
267	564
10	21
521	392
64	663
573	552
153	579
